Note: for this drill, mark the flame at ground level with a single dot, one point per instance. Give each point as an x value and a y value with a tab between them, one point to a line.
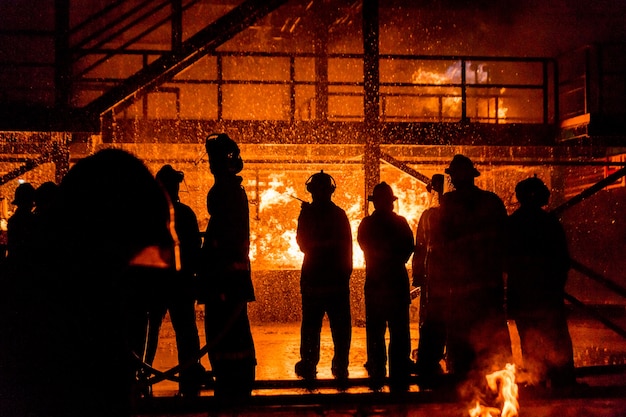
503	383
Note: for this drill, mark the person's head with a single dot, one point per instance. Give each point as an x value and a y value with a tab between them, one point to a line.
436	184
224	155
113	211
382	197
46	196
170	179
532	192
321	186
24	196
462	171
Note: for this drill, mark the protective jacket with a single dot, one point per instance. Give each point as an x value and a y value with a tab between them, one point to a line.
325	238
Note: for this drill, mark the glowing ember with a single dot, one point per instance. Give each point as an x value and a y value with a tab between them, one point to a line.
503	383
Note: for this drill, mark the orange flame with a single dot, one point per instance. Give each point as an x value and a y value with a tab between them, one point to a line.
450	106
273	230
503	383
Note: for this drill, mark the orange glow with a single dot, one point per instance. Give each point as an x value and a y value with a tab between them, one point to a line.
448	105
481	411
503	383
273	232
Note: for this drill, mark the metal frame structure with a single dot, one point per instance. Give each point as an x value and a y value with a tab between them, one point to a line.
372	129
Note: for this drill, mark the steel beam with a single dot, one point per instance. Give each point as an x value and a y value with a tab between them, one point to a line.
197	46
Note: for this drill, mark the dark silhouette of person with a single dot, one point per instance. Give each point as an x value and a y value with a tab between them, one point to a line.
324	236
46	198
181	293
428	264
537	265
226	280
153	311
387	242
20	226
473	223
69	349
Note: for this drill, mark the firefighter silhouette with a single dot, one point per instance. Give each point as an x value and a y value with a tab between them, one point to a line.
20	226
178	294
428	273
387	242
325	238
70	324
473	223
538	264
226	283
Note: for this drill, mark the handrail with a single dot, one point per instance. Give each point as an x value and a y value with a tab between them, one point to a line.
97	15
132	40
607	322
389	88
609	284
31	163
610	179
110	25
405	168
588	272
194	48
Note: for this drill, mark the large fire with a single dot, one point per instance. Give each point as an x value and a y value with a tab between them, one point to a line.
277	205
503	383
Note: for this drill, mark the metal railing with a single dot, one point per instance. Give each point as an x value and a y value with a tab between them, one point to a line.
520	92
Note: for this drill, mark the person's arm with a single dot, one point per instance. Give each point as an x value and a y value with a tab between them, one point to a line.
406	244
419	254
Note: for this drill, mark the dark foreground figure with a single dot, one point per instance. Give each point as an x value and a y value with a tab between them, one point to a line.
64	349
429	263
472	223
175	291
538	263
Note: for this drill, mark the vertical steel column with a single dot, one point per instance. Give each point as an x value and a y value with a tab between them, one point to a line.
144	96
321	62
62	56
544	91
464	118
371	72
292	89
220	79
599	78
557	98
587	80
177	25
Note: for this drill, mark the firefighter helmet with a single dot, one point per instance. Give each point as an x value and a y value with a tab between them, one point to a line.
532	191
224	154
320	182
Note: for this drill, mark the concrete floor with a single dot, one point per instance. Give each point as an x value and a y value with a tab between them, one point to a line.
597	350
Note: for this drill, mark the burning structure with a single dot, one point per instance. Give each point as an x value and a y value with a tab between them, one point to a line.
366	90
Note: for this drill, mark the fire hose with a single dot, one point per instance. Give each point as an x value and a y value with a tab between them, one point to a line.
169	374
